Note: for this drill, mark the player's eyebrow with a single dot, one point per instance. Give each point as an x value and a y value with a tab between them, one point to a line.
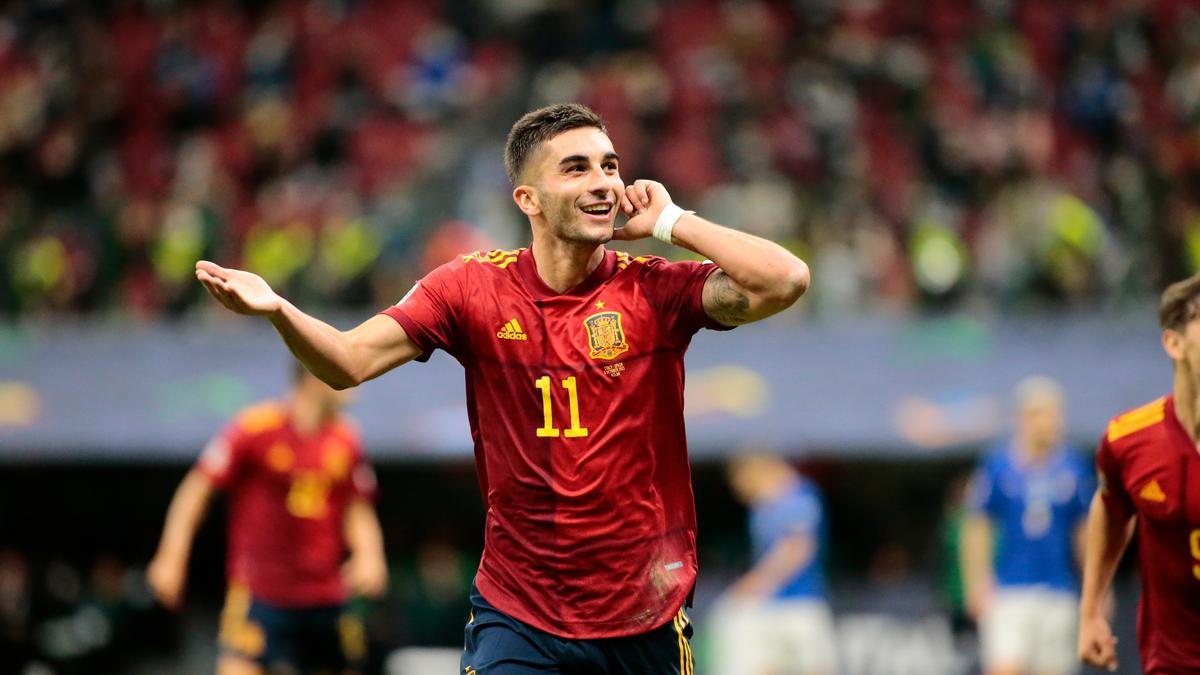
571	159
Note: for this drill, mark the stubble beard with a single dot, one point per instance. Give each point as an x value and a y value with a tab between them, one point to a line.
564	221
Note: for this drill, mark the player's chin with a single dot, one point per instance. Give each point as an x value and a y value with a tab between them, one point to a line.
593	233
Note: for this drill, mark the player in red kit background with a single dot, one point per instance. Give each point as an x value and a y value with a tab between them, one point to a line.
1150	475
574	370
299	494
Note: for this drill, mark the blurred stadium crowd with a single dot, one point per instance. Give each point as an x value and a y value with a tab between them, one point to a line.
994	153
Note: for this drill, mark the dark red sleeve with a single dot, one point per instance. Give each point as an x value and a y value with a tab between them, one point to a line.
224	456
430	312
1110	483
677	291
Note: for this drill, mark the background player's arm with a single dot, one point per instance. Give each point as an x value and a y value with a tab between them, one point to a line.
1107	537
366	569
786	558
341	359
167	572
757	278
975	557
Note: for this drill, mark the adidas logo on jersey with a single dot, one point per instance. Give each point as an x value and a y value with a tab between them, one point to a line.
511	331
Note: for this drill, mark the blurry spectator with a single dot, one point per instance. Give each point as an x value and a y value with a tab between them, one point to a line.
775	617
1003	153
1022	541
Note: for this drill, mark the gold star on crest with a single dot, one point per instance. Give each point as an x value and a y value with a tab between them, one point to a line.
599	304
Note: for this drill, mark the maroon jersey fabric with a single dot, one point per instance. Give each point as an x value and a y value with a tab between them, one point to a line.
287	497
1149	468
575	402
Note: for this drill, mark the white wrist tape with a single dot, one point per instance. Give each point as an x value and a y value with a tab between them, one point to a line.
666	222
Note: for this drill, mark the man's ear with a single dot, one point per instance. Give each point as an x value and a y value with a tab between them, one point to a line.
1172	341
527	200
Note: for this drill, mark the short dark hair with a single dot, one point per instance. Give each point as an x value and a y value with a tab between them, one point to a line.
1180	303
538	126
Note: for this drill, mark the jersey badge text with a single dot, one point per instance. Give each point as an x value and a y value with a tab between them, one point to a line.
606	337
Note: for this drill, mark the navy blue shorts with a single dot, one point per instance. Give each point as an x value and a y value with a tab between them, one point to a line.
497	644
311	639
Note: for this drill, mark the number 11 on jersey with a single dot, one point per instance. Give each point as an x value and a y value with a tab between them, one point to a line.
548	430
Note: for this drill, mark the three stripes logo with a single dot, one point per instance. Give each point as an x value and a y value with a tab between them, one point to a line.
511	331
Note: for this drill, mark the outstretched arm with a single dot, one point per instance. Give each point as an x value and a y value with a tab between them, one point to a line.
757	278
1107	537
167	572
786	558
341	358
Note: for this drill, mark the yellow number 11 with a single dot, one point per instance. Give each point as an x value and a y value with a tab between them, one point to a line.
548	430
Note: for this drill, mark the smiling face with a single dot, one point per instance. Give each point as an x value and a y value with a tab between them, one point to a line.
572	188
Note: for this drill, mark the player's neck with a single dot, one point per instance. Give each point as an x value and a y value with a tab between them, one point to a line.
1187	402
1033	453
306	414
562	264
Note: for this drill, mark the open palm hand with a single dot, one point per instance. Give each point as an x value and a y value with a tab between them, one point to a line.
240	291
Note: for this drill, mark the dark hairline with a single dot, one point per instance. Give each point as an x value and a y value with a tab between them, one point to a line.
535	128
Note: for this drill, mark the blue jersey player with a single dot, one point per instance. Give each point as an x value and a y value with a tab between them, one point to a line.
775	617
1027	503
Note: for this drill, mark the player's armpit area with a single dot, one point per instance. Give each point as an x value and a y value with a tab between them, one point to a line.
729	304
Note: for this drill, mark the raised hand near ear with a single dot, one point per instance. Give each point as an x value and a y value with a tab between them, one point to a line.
644	201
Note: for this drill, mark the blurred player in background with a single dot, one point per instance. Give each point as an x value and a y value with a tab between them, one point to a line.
300	496
574	363
775	618
1029	497
1150	475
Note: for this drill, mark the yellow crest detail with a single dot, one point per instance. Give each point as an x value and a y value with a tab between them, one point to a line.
606	337
1153	492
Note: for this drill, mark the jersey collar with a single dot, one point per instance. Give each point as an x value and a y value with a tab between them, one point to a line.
527	269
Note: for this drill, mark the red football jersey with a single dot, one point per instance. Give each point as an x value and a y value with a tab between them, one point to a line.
287	496
575	402
1149	468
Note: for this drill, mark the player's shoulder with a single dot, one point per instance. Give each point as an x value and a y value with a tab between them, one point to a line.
629	261
495	260
345	428
261	418
1136	424
653	264
1074	457
998	456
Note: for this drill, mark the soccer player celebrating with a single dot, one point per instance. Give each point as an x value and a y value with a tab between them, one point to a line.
1033	493
574	370
299	496
775	619
1149	473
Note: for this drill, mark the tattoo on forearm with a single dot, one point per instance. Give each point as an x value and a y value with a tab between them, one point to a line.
724	303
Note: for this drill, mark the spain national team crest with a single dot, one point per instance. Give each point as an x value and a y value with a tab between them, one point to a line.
606	338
